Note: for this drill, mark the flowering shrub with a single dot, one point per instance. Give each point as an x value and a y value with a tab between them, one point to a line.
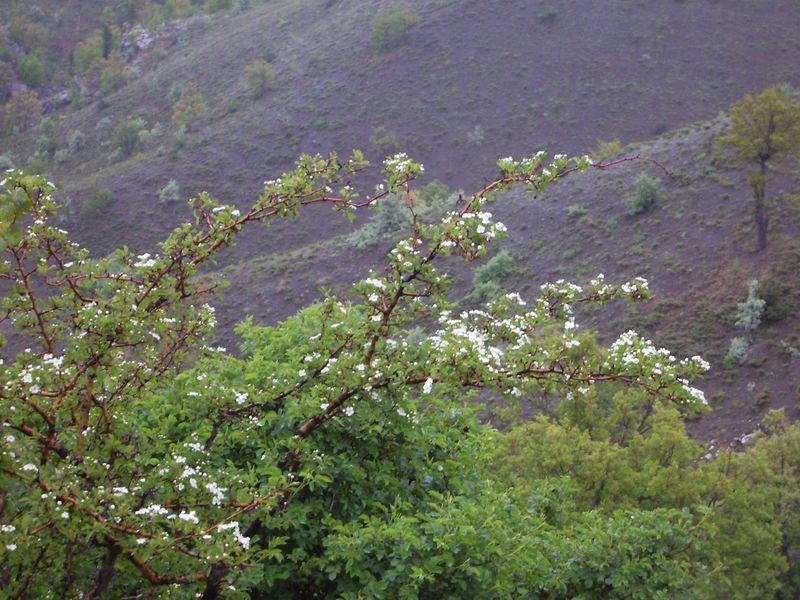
338	455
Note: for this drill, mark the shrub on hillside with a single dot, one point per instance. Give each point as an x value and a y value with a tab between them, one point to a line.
98	46
607	150
76	140
37	163
126	137
21	112
45	145
390	27
649	192
748	317
576	211
170	193
61	156
147	136
97	200
260	77
749	312
486	284
191	109
779	300
737	351
113	74
391	217
30	36
31	70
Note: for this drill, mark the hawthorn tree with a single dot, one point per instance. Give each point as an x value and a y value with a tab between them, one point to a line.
340	454
765	130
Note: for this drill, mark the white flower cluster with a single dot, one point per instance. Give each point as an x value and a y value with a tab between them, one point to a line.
400	164
631	354
237	534
636	287
467	336
470	231
144	261
152	510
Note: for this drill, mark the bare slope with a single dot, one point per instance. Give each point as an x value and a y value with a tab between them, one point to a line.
499	70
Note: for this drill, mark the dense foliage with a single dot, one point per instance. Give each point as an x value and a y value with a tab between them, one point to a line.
339	455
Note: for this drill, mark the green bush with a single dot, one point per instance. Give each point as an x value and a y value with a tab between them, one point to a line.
97	200
737	351
390	27
191	109
61	156
779	300
126	137
45	146
149	135
113	74
576	211
170	193
31	70
749	312
434	194
5	162
488	277
98	45
37	163
607	150
390	218
76	140
649	192
260	77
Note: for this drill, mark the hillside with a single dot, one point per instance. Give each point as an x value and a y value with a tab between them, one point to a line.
473	82
694	248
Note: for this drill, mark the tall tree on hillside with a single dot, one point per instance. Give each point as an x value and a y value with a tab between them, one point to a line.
765	130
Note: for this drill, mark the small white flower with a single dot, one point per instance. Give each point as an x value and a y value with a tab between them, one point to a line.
427	386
